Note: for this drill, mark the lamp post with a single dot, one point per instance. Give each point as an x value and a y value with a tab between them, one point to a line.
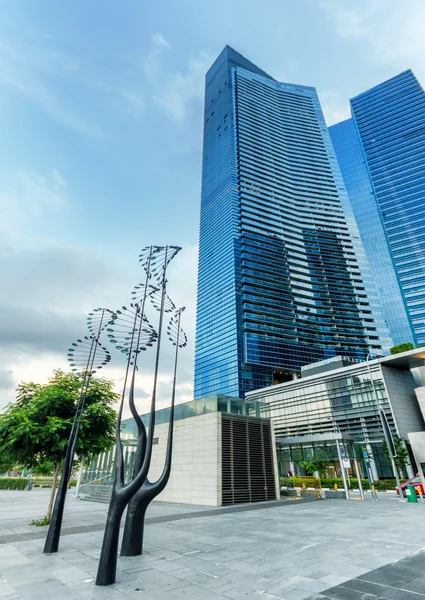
387	433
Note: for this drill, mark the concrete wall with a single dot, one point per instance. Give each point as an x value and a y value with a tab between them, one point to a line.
401	393
420	395
417	443
196	467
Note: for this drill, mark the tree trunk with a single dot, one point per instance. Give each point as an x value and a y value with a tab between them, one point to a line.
52	495
132	541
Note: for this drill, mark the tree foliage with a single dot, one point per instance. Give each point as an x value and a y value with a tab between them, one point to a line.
401	348
402	456
311	466
34	430
318	462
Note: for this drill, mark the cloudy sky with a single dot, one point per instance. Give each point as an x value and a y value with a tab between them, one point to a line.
101	128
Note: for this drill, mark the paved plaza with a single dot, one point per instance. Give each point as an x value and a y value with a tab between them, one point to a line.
291	550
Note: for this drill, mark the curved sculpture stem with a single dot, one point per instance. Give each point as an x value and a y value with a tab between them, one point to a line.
121	495
107	568
53	535
132	542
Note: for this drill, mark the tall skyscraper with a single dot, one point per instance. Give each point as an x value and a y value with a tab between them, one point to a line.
381	153
282	271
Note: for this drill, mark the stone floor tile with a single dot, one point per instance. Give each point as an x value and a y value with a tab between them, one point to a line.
69	574
333	579
343	593
25	574
14	559
416	585
305	583
6	589
195	592
45	591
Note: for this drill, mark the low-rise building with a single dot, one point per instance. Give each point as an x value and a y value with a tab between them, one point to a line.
223	453
341	396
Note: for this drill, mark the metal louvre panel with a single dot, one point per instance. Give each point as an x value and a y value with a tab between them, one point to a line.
226	462
247	460
268	460
241	486
258	492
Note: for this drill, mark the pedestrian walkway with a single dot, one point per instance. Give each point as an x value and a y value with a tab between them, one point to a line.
403	580
293	550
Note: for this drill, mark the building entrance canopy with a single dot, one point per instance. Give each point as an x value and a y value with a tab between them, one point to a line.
325	444
333	451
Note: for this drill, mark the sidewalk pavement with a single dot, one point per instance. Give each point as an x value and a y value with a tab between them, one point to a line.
286	550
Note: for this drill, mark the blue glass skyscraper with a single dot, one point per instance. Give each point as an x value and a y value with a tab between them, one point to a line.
381	152
280	282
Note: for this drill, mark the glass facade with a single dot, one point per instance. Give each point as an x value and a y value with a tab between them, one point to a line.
290	457
281	279
345	401
387	135
362	197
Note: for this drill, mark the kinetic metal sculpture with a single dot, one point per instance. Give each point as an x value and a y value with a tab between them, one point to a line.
132	333
86	356
132	542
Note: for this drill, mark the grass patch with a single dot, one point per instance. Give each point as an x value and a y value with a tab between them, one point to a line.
40	522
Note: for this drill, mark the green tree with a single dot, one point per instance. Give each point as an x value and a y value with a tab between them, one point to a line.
34	430
319	462
402	456
311	466
401	348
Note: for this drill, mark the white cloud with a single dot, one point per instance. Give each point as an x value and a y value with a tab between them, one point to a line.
134	102
180	89
394	30
174	92
24	65
64	284
334	108
43	191
351	21
32	196
159	40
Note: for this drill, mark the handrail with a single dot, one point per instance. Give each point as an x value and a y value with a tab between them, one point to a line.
96	480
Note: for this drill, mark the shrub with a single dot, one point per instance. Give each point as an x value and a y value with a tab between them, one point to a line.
13	483
46	482
329	482
17	483
385	484
299	481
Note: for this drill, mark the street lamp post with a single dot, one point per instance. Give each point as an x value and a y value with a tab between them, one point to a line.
386	430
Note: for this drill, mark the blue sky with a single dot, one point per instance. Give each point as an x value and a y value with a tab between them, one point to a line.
101	130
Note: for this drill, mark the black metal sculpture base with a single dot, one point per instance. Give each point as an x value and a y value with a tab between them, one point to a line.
132	541
107	569
134	529
53	535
